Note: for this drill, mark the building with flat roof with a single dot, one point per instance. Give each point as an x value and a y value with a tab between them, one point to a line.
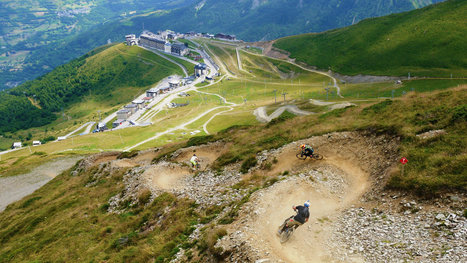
174	83
179	49
131	40
150	40
225	36
123	114
153	92
131	107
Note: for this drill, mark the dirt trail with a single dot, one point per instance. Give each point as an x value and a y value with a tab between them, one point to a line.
308	243
332	185
14	188
165	177
262	116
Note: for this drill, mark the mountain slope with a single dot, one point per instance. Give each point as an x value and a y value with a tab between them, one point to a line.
144	207
29	27
250	20
106	73
428	41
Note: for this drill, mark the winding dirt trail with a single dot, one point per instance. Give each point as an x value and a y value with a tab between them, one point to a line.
308	242
332	185
262	116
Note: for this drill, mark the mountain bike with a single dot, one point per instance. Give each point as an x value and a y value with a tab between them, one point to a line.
287	232
302	156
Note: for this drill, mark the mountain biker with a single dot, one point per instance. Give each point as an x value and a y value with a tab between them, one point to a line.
301	218
194	161
307	149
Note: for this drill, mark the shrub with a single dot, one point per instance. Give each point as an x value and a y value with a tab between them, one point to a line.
144	196
48	139
226	158
283	117
378	107
30	201
248	163
127	155
459	113
199	140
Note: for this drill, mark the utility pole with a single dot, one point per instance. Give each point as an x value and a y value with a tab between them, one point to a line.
327	91
283	94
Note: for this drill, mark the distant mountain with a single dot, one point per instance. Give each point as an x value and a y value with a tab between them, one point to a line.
250	20
27	28
426	42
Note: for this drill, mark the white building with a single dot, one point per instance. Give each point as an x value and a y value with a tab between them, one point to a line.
131	40
36	143
16	145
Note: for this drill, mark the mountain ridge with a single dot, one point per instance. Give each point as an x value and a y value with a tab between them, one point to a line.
423	42
267	20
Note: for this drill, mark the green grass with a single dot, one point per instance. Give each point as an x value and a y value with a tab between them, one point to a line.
388	89
424	42
42	226
190	67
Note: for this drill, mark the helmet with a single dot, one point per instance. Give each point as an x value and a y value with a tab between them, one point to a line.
302	146
194	154
307	203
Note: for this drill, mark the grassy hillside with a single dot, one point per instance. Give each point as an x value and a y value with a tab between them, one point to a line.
424	42
72	208
108	76
67	221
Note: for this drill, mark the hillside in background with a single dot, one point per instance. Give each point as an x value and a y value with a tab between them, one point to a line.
30	27
424	42
104	74
250	20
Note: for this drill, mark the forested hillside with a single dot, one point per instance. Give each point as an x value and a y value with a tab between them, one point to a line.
99	73
250	20
424	42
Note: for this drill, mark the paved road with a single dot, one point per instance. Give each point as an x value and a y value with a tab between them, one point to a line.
79	128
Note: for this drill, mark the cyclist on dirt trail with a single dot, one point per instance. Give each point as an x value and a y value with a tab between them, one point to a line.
194	161
307	149
301	218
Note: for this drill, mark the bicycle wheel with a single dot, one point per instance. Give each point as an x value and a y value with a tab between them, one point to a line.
286	234
317	156
301	156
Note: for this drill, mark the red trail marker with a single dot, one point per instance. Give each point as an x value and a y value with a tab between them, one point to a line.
403	160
